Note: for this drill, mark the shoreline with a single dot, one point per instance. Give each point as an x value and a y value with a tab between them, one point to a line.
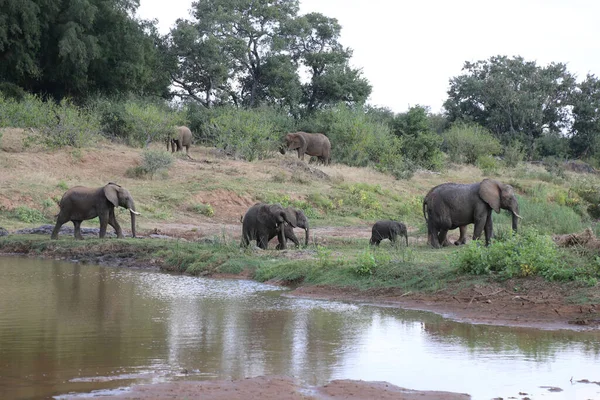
497	308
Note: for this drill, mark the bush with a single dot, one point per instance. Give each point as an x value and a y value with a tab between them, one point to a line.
488	164
526	254
358	140
154	161
202	209
250	134
424	150
12	91
29	215
514	153
31	112
467	142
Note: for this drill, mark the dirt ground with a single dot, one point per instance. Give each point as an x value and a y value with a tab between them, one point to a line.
277	387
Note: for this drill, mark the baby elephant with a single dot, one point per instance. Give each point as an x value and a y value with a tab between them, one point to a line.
387	229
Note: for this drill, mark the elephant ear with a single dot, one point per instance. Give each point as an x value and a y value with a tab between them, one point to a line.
292	215
110	191
489	191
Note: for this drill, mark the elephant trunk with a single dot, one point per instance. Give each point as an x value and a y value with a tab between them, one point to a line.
515	217
307	235
132	213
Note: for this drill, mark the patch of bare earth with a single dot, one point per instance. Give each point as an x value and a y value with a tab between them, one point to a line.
278	387
517	302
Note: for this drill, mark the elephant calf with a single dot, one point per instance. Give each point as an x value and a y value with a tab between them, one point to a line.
387	229
298	218
313	144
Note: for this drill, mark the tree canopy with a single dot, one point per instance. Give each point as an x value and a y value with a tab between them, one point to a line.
78	48
255	52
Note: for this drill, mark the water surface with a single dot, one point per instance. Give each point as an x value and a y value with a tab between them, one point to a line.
79	328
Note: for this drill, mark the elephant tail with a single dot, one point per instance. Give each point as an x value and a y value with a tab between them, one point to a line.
425	209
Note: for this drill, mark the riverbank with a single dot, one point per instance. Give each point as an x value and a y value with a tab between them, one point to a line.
521	302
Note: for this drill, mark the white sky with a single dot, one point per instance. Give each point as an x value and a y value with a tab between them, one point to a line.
409	49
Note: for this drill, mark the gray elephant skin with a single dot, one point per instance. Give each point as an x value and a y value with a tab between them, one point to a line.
387	229
313	144
453	205
81	203
298	218
262	222
182	138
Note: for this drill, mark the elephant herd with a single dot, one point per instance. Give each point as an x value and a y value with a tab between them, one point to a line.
445	207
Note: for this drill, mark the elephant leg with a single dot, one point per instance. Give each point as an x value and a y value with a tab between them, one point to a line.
463	235
262	241
281	237
301	154
103	223
60	221
489	228
479	226
442	238
77	226
245	240
112	220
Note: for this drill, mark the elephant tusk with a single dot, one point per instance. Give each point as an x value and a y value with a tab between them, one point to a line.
517	215
133	212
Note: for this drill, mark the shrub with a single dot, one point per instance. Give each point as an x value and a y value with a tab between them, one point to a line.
467	142
524	254
12	91
514	153
72	126
155	160
203	209
150	123
250	134
357	139
488	164
31	112
29	215
424	150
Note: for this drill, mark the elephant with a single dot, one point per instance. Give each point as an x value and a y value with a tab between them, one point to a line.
263	221
453	205
182	137
80	203
300	221
386	229
313	144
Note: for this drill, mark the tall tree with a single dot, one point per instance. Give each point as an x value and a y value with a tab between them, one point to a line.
313	42
511	97
245	29
585	140
79	47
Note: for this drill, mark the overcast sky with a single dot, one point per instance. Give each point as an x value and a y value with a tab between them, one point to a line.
408	50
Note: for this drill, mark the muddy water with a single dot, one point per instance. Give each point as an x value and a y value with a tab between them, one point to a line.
68	328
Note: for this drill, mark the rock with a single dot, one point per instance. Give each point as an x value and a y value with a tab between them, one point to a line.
3	232
64	230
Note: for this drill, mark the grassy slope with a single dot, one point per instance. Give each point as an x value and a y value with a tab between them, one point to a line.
34	180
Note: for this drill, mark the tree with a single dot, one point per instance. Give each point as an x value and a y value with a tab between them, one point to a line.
313	42
245	30
585	140
511	97
199	66
78	48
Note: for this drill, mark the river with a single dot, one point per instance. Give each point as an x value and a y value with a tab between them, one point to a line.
72	328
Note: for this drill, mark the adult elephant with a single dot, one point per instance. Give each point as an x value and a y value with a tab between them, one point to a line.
453	205
262	222
313	144
387	229
298	218
81	203
182	137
